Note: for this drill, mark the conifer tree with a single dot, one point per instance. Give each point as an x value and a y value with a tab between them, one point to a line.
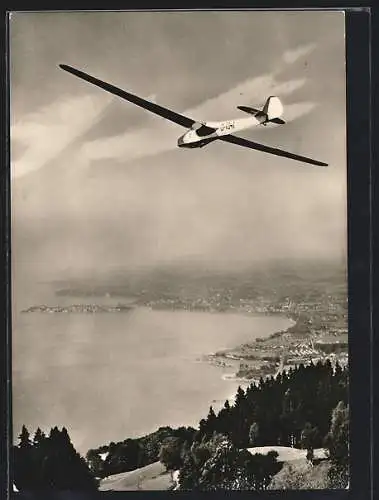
39	437
310	439
337	443
254	434
189	473
24	470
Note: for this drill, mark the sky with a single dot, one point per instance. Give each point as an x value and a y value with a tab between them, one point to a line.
98	182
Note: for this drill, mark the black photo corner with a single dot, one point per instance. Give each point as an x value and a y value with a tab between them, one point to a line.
361	49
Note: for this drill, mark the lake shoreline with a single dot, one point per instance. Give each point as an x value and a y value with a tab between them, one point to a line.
89	308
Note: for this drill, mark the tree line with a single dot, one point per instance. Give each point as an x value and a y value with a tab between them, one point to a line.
285	410
50	462
131	454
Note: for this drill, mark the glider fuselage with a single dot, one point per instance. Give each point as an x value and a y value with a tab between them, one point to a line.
202	133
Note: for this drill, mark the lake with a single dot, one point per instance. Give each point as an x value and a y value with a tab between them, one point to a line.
109	376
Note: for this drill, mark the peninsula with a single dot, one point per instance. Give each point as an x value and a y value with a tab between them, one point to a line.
78	308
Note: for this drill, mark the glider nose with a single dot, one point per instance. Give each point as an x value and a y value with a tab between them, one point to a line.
182	141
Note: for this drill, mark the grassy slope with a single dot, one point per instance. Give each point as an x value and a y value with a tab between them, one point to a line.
151	477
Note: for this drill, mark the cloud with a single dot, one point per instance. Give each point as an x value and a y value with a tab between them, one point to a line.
291	56
131	145
297	110
45	133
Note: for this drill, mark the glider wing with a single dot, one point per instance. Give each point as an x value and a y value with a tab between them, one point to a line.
232	139
182	120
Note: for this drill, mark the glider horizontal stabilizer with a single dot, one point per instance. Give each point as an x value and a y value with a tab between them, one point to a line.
248	109
267	149
182	120
279	121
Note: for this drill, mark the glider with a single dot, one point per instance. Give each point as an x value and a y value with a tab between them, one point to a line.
201	133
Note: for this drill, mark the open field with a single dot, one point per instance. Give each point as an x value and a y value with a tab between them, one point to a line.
151	477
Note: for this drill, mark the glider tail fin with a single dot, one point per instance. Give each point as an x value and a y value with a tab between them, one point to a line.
271	111
273	108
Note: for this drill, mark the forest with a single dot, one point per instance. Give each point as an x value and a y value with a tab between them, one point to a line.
306	407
